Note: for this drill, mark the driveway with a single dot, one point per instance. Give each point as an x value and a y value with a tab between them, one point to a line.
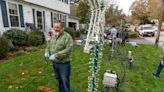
150	40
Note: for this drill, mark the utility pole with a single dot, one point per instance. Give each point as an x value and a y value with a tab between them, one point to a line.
159	23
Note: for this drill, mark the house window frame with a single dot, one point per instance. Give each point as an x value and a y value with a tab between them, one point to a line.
64	1
9	19
36	21
63	19
35	17
57	15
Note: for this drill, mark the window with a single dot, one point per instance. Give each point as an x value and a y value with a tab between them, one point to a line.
65	1
39	20
56	16
63	20
13	14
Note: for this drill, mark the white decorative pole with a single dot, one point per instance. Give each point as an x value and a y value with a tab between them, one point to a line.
94	40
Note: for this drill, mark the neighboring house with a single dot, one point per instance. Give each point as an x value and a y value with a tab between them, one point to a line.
73	21
33	13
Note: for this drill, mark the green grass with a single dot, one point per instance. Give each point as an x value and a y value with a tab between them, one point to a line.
36	73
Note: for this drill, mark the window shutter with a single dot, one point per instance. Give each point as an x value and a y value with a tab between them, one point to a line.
33	11
44	21
4	13
21	15
51	19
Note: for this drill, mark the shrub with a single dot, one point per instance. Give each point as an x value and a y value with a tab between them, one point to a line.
71	31
83	31
38	32
9	34
17	37
4	47
133	35
35	38
12	47
77	33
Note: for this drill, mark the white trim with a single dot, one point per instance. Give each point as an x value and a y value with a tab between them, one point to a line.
39	10
9	20
51	4
64	19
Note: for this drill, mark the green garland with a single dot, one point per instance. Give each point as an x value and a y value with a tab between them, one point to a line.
93	81
95	63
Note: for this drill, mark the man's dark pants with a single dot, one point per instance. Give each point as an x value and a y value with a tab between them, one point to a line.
160	66
62	73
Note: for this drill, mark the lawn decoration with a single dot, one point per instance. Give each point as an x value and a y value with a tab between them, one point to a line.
130	58
110	79
94	40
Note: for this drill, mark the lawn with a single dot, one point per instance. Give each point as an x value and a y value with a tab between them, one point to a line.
28	71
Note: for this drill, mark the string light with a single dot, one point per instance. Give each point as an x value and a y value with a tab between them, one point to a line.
95	40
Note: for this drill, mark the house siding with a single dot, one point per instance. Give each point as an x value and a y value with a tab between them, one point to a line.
29	5
57	5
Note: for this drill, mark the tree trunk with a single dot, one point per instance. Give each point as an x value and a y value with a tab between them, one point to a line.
159	25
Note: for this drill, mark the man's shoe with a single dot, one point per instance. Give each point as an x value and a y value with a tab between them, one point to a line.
155	75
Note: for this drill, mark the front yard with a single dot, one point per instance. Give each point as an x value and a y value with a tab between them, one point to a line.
26	72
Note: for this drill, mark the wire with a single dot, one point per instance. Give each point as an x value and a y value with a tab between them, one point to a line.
122	58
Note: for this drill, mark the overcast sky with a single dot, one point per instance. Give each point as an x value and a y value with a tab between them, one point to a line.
125	5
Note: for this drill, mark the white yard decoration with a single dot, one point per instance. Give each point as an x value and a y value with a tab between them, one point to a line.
97	23
94	41
110	79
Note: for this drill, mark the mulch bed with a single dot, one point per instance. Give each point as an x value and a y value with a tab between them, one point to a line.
12	54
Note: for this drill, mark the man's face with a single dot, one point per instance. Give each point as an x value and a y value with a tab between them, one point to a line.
58	27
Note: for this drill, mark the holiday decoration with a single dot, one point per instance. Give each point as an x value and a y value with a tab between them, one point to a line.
94	41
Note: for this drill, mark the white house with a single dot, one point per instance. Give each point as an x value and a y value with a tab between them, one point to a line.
33	13
73	21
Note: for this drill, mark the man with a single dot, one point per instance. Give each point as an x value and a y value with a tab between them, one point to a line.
60	54
114	36
114	32
160	66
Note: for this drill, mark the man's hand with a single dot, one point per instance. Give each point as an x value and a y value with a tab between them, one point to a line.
52	57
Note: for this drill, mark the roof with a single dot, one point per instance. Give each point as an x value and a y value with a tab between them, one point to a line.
73	17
